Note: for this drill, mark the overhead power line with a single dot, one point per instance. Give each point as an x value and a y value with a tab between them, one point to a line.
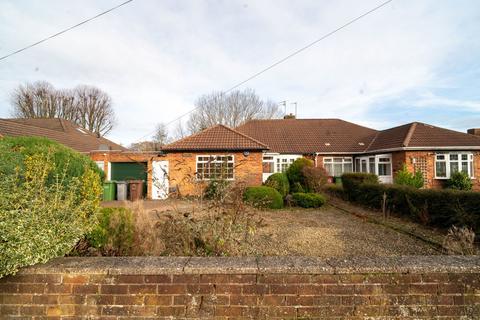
283	59
65	30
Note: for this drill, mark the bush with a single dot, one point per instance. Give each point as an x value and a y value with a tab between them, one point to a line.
216	189
351	180
296	175
279	182
66	162
460	181
263	197
315	178
42	216
404	177
114	232
335	190
439	208
308	200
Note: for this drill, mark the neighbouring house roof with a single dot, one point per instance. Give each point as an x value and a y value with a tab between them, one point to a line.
60	130
421	135
301	136
218	137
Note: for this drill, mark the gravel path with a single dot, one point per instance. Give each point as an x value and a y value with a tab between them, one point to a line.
329	232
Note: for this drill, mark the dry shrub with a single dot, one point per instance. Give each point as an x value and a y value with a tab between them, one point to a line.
460	241
224	227
315	178
146	240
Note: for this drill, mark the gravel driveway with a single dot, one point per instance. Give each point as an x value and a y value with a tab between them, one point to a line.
329	232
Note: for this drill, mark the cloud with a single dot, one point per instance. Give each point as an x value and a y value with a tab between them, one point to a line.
429	99
156	57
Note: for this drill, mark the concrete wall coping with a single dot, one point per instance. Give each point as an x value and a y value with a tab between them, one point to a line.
257	265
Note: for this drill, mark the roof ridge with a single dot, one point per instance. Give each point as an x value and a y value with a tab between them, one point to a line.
409	134
190	136
243	135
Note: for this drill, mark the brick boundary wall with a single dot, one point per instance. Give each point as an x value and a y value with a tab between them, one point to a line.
411	287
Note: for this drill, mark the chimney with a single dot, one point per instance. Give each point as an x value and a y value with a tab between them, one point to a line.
474	131
292	116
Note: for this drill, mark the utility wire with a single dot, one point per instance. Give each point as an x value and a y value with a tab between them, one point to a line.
282	60
65	30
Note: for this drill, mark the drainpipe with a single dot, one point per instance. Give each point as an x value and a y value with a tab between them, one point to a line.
315	159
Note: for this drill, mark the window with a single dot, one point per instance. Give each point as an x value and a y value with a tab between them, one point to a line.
215	167
100	164
338	166
268	164
282	162
448	163
384	167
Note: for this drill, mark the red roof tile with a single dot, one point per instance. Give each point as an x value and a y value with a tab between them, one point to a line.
60	130
218	137
301	136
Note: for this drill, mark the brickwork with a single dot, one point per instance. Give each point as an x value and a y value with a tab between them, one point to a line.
182	167
245	288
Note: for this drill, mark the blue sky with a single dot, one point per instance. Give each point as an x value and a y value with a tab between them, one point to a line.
410	61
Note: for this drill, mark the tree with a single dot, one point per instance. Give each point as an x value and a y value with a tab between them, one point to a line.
232	109
161	134
87	106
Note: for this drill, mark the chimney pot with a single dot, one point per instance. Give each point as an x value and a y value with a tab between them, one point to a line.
474	131
289	116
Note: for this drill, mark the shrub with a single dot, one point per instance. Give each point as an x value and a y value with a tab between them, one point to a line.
460	181
460	241
216	189
296	175
440	208
334	190
315	178
279	182
263	197
114	232
41	216
351	180
404	177
308	200
66	162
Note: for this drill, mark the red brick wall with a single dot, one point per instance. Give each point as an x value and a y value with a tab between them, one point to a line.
182	167
305	288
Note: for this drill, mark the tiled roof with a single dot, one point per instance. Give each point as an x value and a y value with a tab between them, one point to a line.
218	137
421	135
301	136
60	130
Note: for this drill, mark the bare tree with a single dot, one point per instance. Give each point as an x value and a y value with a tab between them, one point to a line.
231	109
94	110
87	106
180	131
161	136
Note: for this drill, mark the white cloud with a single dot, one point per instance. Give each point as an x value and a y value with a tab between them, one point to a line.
154	58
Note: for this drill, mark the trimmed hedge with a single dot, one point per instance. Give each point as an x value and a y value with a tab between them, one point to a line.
308	200
279	182
439	208
263	197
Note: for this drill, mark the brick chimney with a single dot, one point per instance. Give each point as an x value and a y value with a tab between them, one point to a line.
474	131
292	116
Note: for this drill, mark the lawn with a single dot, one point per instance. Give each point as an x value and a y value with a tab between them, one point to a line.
326	232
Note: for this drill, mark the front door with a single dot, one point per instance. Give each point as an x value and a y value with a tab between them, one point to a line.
159	180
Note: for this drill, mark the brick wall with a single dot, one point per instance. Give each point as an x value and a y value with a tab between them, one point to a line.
245	288
182	167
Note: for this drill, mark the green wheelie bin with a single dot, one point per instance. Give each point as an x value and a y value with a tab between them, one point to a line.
109	190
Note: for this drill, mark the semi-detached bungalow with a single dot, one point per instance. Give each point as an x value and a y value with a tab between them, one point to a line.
259	148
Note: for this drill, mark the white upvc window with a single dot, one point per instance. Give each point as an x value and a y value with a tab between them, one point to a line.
447	163
336	166
100	165
211	167
282	162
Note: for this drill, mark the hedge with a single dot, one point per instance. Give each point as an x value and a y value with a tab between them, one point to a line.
439	208
308	200
279	182
296	175
263	197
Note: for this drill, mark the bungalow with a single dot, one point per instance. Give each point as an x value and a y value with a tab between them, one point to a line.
340	146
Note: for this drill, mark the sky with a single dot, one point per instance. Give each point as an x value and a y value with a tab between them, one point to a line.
412	60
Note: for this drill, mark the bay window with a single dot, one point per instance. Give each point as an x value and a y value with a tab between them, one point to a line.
336	166
450	162
211	167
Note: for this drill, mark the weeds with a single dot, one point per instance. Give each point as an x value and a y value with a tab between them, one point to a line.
460	241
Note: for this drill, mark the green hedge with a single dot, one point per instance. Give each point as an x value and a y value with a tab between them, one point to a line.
263	197
279	181
296	176
439	208
308	200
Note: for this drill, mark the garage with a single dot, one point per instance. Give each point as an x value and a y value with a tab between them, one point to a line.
124	171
